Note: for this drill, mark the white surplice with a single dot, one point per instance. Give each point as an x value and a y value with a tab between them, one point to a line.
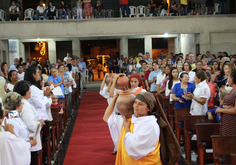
104	92
135	89
30	117
39	102
144	138
115	124
13	150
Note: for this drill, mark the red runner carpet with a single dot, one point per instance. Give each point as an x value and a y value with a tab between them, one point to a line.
90	143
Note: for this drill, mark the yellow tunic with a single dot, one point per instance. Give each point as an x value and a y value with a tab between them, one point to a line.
122	157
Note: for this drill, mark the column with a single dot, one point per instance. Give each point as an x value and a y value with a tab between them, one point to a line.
52	51
205	42
22	50
148	45
76	51
124	47
1	50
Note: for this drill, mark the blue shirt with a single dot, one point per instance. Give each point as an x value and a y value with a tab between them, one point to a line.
178	91
151	75
56	81
213	111
83	65
13	67
149	60
66	88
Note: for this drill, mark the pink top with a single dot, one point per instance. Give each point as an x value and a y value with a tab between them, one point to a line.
211	101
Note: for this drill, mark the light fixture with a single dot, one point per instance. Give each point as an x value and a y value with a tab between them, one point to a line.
166	34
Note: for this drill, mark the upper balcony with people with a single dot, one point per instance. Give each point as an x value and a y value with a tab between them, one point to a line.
87	9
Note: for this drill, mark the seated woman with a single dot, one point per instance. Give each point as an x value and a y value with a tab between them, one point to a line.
13	11
173	7
51	11
164	7
13	79
228	112
199	9
180	91
152	8
201	94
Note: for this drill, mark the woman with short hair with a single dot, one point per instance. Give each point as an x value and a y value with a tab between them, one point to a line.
180	90
14	149
201	94
29	116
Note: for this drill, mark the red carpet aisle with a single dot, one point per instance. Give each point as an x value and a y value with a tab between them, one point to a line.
90	143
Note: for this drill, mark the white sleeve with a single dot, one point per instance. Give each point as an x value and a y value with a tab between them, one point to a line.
130	68
167	92
143	141
28	118
158	79
10	8
205	92
36	100
17	8
115	125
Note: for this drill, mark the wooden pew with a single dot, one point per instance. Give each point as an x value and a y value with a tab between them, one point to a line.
46	141
233	159
223	145
56	137
179	113
171	114
190	129
204	132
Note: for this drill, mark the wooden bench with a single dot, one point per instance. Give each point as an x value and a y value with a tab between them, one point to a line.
204	132
223	145
46	141
190	129
179	113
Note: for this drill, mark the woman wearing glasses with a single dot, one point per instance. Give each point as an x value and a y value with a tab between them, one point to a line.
187	69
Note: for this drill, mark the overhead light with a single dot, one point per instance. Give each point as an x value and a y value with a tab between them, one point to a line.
166	34
38	38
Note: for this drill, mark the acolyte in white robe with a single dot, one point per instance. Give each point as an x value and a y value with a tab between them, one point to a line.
104	92
144	138
13	150
39	102
30	117
115	125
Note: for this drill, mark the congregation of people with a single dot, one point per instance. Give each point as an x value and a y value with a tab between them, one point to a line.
26	99
203	83
84	9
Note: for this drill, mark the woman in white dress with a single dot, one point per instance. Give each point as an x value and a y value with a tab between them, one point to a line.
39	99
201	94
12	101
14	150
30	117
